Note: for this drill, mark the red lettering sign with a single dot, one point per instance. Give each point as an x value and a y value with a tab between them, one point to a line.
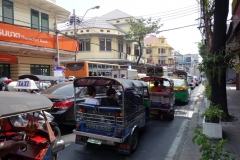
8	58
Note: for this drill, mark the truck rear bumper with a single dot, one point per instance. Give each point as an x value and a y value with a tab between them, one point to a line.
100	137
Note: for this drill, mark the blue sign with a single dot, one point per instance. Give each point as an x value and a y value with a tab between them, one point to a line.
23	83
56	59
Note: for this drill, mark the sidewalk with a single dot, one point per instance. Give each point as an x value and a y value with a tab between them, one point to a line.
231	130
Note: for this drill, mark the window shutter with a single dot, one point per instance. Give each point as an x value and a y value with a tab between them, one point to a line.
34	19
44	23
7	11
102	44
108	44
88	45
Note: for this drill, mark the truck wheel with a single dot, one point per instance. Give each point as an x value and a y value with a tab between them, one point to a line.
134	140
171	118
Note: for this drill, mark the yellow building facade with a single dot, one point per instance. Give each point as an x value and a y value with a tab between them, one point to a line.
102	40
158	51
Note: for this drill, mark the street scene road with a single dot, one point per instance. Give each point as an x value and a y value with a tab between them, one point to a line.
159	140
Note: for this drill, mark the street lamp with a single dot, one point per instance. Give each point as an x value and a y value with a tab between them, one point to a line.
74	24
96	7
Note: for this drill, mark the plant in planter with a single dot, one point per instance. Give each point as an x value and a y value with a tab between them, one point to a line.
207	94
213	114
208	89
211	125
211	150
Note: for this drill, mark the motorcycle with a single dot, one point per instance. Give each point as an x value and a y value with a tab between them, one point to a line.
29	124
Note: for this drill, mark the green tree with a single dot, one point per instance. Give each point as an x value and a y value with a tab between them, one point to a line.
139	29
215	58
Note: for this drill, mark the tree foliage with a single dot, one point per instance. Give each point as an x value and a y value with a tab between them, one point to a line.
139	29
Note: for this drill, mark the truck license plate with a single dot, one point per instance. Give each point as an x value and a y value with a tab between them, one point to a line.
154	112
94	141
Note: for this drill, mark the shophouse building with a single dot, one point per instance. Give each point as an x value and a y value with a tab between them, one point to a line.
158	51
27	37
233	41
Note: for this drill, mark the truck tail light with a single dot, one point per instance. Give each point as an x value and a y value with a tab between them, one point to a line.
82	110
181	90
118	114
119	132
63	105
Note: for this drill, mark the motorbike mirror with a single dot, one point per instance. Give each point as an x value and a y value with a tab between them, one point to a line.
36	114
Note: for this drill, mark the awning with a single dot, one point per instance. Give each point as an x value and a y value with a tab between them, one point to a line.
9	47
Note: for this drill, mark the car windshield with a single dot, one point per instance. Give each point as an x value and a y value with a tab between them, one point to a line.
178	82
62	89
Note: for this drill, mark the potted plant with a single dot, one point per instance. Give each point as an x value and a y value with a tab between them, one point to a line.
211	119
211	150
207	94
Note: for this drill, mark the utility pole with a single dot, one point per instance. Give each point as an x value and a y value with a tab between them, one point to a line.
74	33
57	46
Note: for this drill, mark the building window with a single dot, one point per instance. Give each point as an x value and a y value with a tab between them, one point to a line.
128	49
120	46
44	23
7	11
88	44
136	50
39	69
102	44
105	44
148	51
108	44
161	50
85	45
34	19
163	62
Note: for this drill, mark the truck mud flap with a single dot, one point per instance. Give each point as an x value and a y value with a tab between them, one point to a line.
125	147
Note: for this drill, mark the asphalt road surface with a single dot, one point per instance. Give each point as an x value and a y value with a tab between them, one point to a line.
159	140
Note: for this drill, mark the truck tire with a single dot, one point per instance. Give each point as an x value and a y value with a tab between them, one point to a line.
134	140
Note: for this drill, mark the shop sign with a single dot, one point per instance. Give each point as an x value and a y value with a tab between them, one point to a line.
8	58
11	33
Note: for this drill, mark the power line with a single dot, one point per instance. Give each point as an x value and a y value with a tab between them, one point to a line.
178	17
168	11
176	13
178	28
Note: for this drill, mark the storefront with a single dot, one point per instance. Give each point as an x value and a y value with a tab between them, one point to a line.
25	51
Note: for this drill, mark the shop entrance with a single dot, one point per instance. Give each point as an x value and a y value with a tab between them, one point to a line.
5	70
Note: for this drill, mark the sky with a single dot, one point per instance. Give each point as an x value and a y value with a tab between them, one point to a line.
173	14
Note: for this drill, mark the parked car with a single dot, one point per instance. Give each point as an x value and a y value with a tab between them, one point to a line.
62	96
181	90
234	80
191	81
71	78
197	79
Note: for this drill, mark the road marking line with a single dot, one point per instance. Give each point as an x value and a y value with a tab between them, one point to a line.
176	141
